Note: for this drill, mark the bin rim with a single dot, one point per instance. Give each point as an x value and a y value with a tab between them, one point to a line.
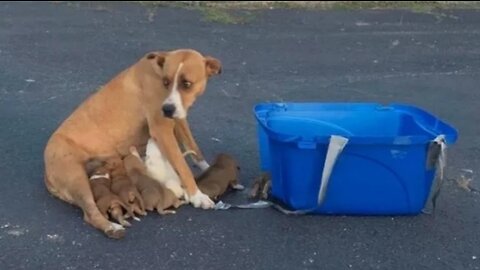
261	111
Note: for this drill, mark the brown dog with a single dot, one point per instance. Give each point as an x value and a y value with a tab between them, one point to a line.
107	202
219	177
151	98
154	194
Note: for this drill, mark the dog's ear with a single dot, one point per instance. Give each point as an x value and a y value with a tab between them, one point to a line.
213	66
158	57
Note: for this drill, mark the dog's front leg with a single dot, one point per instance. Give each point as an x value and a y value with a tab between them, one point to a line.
185	137
162	131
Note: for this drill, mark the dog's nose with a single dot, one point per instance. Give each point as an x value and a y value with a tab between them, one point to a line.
168	110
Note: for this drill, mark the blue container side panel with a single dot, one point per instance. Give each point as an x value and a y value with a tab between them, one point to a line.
304	172
263	147
367	181
278	166
377	181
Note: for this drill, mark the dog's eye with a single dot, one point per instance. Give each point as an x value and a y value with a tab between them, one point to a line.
166	82
186	84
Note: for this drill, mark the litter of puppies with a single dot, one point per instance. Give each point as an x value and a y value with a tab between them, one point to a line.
125	188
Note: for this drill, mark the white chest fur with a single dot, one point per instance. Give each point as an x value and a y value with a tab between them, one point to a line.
161	170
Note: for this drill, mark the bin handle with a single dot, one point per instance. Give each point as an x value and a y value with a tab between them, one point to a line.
335	147
438	144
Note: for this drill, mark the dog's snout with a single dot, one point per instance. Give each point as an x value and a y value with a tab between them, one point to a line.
168	110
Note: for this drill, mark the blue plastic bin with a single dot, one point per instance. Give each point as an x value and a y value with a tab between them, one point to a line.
381	171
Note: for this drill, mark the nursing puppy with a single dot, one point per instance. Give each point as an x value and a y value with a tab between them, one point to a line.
107	202
124	188
154	194
221	175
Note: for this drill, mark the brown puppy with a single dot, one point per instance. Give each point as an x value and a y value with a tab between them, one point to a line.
154	194
221	175
150	98
261	187
124	188
107	202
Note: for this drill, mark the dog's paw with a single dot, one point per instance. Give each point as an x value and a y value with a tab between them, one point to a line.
126	216
200	200
125	223
115	231
137	210
202	165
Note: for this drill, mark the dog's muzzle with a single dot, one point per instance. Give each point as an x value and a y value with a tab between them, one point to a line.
168	110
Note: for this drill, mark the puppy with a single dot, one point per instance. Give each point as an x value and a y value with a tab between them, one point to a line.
154	194
219	177
261	187
124	188
106	201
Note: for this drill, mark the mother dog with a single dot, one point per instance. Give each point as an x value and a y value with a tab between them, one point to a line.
151	98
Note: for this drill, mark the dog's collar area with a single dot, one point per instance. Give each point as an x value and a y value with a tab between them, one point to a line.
100	176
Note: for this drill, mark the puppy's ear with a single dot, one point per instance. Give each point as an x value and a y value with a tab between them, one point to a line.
93	164
158	57
213	66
